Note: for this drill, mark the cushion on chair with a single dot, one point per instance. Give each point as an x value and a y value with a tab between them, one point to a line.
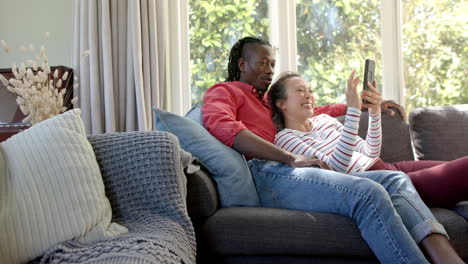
195	113
440	132
227	166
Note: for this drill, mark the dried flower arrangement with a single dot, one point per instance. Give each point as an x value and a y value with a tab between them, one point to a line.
39	91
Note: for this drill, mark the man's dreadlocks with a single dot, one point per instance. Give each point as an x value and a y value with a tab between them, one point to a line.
236	54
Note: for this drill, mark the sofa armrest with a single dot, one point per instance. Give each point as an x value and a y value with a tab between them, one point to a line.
202	196
439	132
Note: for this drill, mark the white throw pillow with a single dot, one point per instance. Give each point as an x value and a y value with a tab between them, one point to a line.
51	190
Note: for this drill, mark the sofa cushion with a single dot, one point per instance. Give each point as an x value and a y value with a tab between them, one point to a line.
195	113
396	140
440	132
462	209
51	190
227	166
270	231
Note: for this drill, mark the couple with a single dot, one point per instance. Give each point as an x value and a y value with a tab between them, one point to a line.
390	214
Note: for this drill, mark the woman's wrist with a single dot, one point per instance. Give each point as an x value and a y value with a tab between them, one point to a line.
374	111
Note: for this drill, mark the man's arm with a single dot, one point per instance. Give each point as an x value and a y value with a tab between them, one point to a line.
254	146
331	110
385	108
219	118
340	109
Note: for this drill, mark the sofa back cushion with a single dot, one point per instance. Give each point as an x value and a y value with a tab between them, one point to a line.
227	166
440	132
396	140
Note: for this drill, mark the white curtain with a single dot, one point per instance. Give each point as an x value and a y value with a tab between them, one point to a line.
138	58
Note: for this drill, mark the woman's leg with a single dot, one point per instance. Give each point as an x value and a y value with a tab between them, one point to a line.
439	183
436	245
364	200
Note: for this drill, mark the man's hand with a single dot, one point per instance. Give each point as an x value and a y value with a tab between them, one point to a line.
308	161
384	107
254	146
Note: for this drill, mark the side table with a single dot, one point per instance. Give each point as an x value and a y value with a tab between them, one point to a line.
9	129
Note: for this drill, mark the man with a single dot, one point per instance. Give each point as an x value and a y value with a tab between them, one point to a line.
252	62
237	113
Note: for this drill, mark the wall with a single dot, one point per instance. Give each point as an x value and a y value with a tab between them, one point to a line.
24	22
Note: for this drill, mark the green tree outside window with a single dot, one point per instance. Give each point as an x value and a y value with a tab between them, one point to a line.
435	52
333	38
336	36
215	25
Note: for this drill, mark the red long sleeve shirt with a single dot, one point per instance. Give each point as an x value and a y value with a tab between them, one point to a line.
231	107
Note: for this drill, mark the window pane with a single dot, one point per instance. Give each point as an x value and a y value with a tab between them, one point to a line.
435	52
213	31
333	38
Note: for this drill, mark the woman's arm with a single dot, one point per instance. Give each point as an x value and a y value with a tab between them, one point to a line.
292	142
336	150
372	145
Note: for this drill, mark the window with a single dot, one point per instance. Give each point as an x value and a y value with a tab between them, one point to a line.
214	27
435	52
419	46
333	38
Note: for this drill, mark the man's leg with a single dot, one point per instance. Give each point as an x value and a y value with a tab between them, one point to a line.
362	199
440	184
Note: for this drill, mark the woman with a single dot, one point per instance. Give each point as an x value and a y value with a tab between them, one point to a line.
339	146
439	183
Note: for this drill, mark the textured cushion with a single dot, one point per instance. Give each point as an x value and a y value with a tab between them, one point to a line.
440	132
396	140
51	190
227	167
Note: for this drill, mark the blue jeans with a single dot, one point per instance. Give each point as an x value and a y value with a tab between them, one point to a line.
387	209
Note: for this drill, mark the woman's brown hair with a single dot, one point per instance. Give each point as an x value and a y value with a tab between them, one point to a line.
277	92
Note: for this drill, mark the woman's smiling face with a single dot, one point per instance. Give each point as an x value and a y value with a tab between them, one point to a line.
300	101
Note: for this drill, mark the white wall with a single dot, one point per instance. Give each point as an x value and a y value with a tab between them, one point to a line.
24	22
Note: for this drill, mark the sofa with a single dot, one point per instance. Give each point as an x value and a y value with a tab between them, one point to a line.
252	234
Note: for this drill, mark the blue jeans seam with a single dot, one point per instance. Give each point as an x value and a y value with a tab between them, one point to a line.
397	190
274	196
350	191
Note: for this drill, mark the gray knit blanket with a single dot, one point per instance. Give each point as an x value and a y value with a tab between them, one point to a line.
143	175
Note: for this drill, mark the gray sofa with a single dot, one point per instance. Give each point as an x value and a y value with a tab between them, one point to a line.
267	235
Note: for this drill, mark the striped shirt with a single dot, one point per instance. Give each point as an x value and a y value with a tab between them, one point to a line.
336	144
